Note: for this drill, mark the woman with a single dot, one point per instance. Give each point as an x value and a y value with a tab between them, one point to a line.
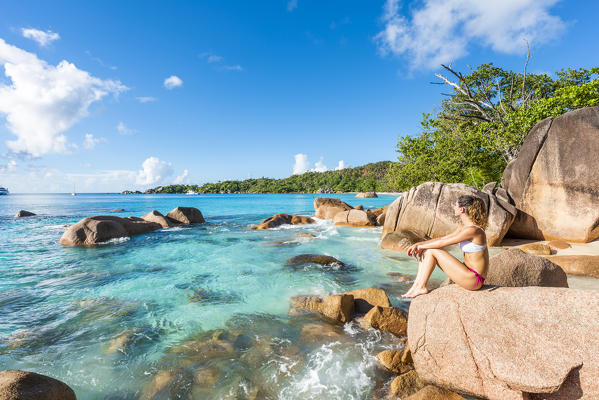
473	242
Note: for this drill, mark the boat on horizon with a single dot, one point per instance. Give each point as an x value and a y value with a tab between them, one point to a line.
190	192
3	191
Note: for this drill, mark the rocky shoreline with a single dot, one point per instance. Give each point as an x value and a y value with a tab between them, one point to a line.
524	335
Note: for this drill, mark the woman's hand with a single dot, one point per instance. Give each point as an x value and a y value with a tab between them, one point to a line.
415	251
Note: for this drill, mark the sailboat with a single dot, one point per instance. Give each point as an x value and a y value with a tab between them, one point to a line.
73	192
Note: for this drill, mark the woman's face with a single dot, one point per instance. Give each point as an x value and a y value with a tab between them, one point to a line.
457	210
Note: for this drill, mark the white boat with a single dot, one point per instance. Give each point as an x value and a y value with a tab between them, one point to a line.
3	191
73	193
190	192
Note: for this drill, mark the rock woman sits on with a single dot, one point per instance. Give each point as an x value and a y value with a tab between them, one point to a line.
473	242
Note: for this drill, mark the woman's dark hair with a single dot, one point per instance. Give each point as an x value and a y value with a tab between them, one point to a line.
475	208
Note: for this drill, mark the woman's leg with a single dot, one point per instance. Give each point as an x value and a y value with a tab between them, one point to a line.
448	263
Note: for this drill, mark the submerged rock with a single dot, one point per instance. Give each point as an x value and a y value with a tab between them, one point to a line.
504	343
284	219
23	385
305	235
314	259
327	208
339	307
186	215
24	213
98	229
118	210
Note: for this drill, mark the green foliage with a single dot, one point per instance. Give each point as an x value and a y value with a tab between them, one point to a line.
482	124
370	177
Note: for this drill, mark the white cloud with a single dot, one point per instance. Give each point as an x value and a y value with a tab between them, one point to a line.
301	164
146	99
181	178
319	166
153	171
90	141
291	5
124	130
44	101
233	67
172	82
340	166
440	31
41	37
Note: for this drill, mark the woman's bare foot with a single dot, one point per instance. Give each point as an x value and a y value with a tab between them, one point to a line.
413	292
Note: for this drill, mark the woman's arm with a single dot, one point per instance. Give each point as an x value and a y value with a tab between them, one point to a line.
455	237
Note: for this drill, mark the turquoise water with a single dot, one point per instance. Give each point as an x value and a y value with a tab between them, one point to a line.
195	312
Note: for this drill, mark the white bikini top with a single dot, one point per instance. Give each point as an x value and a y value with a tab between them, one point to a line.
468	247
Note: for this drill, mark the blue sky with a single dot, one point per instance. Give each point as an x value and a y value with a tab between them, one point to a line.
119	95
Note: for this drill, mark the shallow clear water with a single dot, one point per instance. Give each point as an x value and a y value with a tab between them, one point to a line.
142	317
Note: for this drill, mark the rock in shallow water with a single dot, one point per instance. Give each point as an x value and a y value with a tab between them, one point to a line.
284	219
186	215
339	307
314	259
327	208
388	319
23	385
24	213
503	343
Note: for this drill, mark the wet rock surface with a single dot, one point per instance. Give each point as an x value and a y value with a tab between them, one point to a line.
23	385
284	219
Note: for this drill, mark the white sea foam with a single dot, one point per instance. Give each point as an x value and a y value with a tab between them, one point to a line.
117	240
334	371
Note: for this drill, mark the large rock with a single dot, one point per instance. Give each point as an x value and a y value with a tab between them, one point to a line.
186	215
23	385
586	265
401	240
355	218
365	299
502	343
283	219
24	213
157	217
554	182
388	319
516	268
366	195
428	208
339	307
327	208
98	229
